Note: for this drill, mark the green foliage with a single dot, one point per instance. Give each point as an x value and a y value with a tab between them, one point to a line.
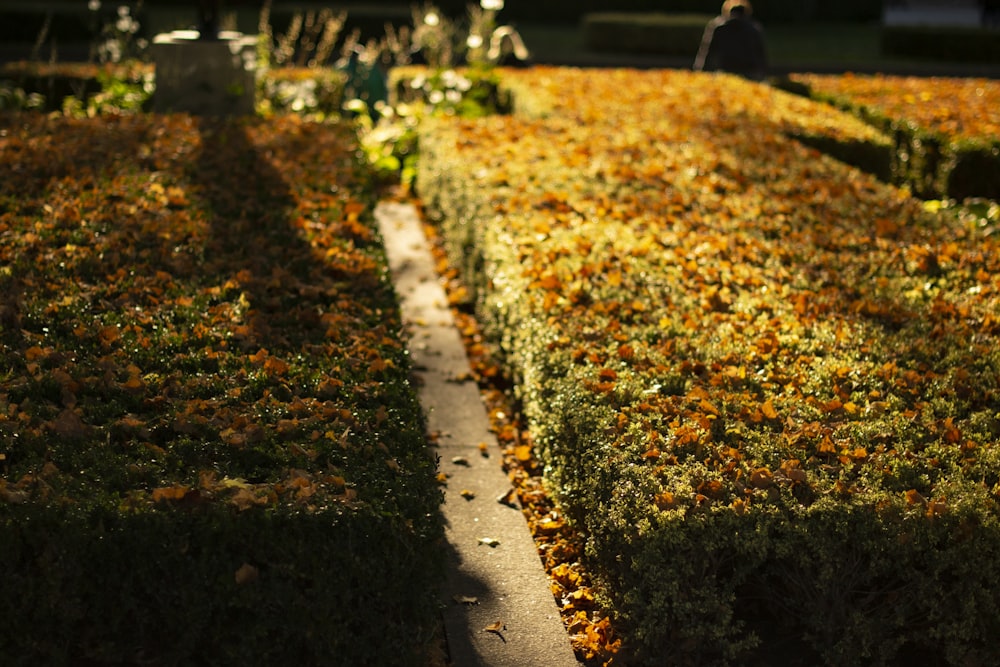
309	40
14	98
210	451
873	157
48	85
118	40
973	170
92	90
761	383
117	95
940	148
208	585
464	92
388	128
310	92
390	141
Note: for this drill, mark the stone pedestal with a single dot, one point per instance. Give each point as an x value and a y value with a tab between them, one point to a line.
208	77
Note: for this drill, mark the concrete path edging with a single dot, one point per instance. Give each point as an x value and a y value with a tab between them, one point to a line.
499	609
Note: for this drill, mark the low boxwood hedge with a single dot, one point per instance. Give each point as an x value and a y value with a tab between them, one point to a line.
944	139
281	90
763	385
973	170
201	585
210	449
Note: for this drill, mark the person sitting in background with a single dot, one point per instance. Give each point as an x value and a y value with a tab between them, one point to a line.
733	42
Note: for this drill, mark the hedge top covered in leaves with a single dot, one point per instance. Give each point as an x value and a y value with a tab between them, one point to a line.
543	93
753	373
217	287
201	362
946	130
682	150
955	109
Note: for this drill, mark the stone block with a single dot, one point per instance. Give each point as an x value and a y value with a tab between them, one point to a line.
207	77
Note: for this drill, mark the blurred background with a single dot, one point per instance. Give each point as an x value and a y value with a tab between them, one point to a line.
948	37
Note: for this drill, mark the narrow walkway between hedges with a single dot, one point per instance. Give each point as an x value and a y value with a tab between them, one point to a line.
499	610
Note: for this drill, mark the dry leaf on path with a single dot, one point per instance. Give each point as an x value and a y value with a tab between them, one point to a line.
509	498
497	628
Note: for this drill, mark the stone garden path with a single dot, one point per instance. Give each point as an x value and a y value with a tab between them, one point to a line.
499	610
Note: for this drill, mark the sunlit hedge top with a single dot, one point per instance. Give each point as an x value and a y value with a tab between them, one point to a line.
194	308
549	91
741	302
962	109
763	383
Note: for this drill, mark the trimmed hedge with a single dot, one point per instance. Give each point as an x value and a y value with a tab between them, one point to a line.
780	446
945	138
208	585
57	82
670	34
837	135
210	449
283	89
973	170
